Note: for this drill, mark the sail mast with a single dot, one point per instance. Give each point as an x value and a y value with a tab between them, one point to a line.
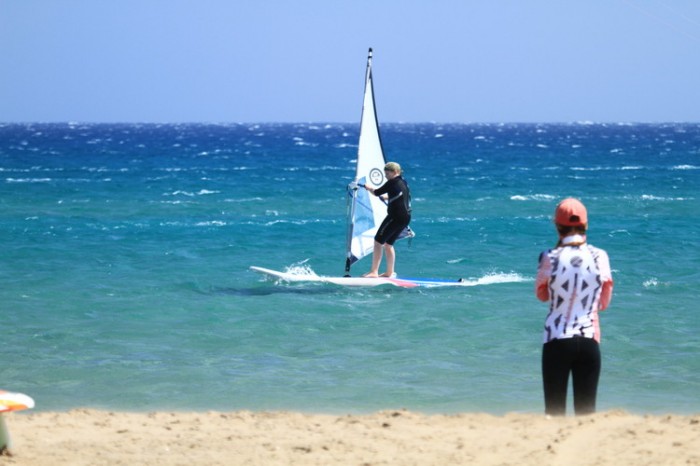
365	211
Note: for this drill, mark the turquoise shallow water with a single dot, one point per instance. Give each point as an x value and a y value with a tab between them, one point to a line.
125	281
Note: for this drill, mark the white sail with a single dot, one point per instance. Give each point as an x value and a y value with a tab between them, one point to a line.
366	211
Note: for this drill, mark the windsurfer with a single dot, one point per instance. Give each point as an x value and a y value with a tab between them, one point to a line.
397	194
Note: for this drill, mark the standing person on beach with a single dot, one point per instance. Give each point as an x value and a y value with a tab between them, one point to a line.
575	278
395	191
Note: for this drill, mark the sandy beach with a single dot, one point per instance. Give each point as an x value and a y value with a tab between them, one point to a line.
92	437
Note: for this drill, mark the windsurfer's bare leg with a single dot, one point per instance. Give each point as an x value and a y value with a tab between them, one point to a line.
376	260
390	260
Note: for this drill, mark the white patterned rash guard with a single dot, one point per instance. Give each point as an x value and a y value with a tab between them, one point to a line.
577	281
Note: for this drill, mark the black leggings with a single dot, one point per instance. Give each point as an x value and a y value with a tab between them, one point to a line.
580	357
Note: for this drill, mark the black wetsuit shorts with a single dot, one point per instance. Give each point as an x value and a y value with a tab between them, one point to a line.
391	228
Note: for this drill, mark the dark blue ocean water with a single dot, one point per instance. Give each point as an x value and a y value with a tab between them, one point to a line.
124	280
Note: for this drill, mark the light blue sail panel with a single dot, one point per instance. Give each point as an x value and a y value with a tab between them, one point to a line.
364	215
362	223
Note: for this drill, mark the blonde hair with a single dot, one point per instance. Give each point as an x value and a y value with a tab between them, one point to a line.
393	166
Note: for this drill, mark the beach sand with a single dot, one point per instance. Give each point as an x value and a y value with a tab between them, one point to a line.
92	437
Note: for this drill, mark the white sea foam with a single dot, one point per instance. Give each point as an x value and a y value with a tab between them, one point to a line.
175	202
212	223
201	192
245	199
302	269
28	180
651	282
457	261
652	197
532	197
493	278
501	277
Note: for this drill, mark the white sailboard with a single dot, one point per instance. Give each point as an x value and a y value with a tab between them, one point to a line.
401	282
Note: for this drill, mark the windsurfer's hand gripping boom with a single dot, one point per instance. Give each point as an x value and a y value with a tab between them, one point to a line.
355	185
359	184
383	197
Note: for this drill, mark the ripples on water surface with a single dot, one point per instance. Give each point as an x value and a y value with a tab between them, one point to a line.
125	280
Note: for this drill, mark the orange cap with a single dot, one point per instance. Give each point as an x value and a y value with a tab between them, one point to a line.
571	212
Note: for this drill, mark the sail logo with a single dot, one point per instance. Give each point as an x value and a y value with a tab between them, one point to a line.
376	176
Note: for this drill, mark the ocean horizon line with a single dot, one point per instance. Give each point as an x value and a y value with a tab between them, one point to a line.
321	122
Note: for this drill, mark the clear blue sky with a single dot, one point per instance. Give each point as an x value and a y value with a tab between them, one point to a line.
304	60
